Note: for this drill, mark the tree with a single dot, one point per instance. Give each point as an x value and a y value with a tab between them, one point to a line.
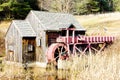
5	8
105	5
92	6
86	6
3	1
80	7
41	4
33	4
65	6
116	5
20	10
14	9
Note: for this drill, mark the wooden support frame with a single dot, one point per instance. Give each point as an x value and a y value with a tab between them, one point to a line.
89	47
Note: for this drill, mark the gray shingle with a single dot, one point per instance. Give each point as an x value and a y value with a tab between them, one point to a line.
25	28
55	21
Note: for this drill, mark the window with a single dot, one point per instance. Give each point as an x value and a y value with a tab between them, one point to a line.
39	42
30	47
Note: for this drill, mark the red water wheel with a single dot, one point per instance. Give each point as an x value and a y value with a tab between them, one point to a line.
56	51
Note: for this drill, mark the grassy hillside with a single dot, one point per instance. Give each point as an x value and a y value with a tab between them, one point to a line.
102	23
108	20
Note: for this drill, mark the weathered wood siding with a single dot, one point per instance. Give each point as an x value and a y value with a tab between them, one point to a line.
13	42
43	38
17	45
37	26
41	46
51	37
9	41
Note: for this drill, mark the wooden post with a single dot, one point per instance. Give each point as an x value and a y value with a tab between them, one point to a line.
73	41
67	35
89	48
68	41
73	36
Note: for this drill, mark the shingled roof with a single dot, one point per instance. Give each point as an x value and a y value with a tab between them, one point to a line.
48	21
55	21
24	28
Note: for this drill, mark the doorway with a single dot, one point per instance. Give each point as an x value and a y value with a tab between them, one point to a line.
28	49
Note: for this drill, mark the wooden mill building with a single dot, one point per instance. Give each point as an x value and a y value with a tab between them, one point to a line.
27	40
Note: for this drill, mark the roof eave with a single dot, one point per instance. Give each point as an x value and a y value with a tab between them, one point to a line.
60	30
28	36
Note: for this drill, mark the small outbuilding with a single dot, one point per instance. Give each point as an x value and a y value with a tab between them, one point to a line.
27	40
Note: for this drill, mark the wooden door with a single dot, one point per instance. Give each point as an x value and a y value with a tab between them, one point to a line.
28	49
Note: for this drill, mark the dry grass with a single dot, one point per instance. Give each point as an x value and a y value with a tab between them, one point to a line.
4	26
108	19
3	29
105	66
101	23
98	68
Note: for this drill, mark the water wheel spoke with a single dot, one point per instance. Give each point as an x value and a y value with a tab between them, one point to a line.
62	49
58	49
94	49
56	57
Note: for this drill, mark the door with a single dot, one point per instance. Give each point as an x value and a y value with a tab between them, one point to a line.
28	49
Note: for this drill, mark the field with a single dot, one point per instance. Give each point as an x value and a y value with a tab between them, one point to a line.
106	24
104	66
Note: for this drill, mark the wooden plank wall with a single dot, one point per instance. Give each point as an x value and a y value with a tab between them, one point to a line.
13	41
52	37
9	41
